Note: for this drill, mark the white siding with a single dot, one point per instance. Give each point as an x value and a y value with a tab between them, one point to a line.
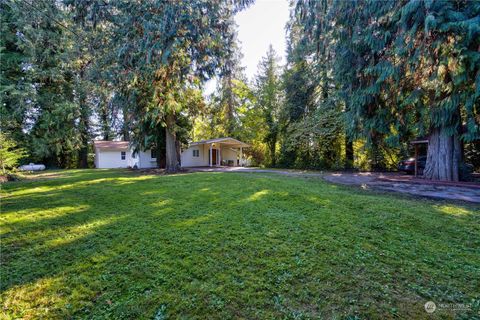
229	154
188	160
95	161
145	160
112	159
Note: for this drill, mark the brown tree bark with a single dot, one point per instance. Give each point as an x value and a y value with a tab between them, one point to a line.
443	157
105	127
84	128
171	148
125	127
348	153
160	146
272	148
85	139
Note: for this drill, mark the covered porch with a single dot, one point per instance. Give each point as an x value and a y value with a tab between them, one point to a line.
219	152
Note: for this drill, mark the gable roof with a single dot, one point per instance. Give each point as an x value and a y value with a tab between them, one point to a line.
117	145
226	140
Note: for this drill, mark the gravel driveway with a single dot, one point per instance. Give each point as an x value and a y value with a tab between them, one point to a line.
395	182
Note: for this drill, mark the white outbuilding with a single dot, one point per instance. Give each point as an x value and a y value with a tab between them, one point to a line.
214	153
119	154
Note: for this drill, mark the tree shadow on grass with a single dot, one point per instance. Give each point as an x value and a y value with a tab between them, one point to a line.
228	244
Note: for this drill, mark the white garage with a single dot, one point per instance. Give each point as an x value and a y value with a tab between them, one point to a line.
119	154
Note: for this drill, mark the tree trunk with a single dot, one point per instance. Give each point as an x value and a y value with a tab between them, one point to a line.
230	106
126	124
177	148
160	144
348	153
104	121
375	153
171	148
273	158
84	129
443	157
83	155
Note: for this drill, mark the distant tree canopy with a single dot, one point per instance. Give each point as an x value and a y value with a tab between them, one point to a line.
269	100
361	80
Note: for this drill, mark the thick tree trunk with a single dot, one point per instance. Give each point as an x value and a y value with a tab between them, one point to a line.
348	153
443	157
160	143
171	148
83	155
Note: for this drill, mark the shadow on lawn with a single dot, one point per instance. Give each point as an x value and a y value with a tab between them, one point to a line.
157	233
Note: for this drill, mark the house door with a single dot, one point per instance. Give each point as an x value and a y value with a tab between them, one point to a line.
214	156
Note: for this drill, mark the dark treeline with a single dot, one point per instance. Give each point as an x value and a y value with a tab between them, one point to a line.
374	75
362	79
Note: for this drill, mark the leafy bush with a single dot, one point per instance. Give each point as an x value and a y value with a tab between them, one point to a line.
10	154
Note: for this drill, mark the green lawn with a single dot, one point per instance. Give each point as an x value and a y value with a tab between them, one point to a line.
114	244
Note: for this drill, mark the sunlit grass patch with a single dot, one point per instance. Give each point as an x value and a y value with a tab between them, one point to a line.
454	210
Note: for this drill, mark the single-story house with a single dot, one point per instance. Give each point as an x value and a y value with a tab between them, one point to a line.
119	154
214	152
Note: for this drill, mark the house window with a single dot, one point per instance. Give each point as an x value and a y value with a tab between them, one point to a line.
196	153
153	153
123	154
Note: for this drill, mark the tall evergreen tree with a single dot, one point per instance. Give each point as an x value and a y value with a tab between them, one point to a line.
48	106
312	114
231	73
269	99
14	88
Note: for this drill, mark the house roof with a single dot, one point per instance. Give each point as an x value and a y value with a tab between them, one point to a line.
227	141
117	145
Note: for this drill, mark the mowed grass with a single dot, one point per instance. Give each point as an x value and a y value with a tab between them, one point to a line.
112	244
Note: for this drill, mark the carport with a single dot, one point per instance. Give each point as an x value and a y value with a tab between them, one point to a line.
416	143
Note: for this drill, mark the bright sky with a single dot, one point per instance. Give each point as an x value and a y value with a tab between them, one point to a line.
262	24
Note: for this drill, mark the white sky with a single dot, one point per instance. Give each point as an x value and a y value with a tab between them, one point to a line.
260	25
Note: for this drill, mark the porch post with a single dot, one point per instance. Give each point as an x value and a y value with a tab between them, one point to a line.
219	154
210	154
241	157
